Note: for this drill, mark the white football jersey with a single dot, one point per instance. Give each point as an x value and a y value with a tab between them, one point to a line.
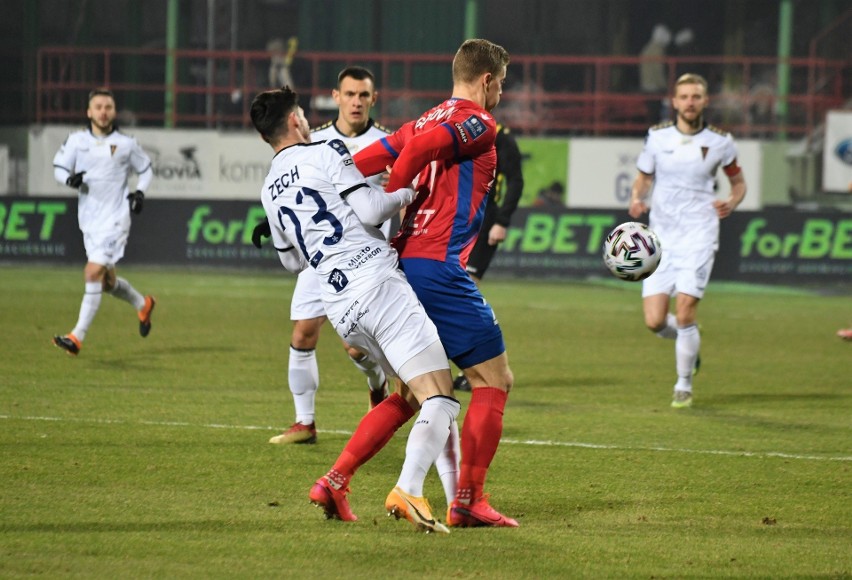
107	162
304	196
368	136
684	169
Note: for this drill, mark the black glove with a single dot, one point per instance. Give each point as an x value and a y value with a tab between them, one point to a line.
261	230
136	201
75	180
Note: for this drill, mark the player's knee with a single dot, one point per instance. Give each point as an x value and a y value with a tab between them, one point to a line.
509	379
303	341
305	334
655	323
503	381
685	319
409	397
94	273
109	283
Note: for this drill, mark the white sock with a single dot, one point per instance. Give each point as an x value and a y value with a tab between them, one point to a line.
124	291
303	379
426	441
88	309
447	463
372	370
687	344
670	331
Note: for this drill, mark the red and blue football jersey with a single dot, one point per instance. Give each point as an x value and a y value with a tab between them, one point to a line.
449	155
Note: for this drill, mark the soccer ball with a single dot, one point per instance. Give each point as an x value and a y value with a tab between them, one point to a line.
632	251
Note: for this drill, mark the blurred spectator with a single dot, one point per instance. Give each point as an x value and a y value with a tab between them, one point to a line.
551	196
683	39
523	105
286	70
652	71
683	46
761	111
126	118
730	104
281	61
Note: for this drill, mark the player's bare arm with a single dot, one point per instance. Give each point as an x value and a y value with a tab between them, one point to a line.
725	207
638	193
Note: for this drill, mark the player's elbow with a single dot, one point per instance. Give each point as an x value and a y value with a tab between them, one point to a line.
371	215
291	261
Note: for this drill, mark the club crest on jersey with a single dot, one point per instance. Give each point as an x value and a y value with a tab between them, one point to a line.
338	280
473	126
339	146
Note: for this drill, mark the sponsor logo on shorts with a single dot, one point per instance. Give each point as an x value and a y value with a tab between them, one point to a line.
348	312
354	324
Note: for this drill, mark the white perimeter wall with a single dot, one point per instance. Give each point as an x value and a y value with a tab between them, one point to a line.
601	172
208	164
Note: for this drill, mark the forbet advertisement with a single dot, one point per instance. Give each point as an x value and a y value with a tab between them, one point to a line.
776	246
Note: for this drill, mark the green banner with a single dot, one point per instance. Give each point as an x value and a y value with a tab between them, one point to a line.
545	167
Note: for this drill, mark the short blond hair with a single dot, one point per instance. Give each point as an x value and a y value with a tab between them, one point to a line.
477	56
691	79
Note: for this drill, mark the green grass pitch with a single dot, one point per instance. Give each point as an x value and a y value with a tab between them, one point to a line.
148	458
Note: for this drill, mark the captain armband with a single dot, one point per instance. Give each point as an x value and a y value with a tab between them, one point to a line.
732	169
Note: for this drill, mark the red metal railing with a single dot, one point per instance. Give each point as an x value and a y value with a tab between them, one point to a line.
553	95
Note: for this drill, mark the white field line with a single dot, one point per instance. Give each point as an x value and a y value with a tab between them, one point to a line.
528	442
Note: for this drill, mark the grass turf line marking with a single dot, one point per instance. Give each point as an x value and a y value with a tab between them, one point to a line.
779	454
529	442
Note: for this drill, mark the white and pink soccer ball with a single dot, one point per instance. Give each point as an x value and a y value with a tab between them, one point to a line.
632	251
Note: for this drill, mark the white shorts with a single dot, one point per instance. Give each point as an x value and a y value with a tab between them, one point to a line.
105	248
306	302
390	324
681	274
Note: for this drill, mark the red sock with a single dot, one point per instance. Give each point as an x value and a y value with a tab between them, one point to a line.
373	432
480	436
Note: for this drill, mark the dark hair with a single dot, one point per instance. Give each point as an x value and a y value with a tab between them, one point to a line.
269	112
359	73
101	92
